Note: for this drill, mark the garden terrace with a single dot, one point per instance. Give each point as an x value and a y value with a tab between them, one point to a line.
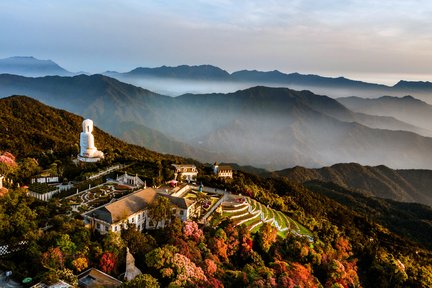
251	213
97	196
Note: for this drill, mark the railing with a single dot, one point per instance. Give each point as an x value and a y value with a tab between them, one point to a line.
44	196
107	171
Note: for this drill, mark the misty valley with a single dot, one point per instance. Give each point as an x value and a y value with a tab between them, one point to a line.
207	178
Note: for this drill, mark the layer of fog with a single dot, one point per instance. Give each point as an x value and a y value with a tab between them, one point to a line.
176	87
259	132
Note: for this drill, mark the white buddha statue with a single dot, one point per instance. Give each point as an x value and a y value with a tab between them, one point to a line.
88	149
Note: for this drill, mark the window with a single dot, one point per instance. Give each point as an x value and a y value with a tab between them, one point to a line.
139	216
98	226
181	212
133	220
115	228
106	228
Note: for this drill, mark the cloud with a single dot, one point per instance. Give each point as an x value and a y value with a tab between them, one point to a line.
331	37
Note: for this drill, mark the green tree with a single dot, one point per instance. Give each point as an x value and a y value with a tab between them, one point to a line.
160	210
137	242
18	222
160	257
66	246
142	281
27	168
266	236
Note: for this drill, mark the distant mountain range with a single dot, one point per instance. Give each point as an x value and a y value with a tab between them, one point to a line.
273	128
407	109
200	79
379	181
159	78
32	67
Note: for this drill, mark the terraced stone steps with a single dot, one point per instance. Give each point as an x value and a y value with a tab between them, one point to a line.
254	214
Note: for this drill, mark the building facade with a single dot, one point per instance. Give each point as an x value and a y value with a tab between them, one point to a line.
222	171
185	172
133	209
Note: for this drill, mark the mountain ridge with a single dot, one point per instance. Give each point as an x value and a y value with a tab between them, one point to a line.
31	66
335	86
143	76
406	185
407	109
271	128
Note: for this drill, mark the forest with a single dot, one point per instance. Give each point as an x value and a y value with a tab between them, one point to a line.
354	244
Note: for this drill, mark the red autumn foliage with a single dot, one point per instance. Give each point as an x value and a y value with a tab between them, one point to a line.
107	262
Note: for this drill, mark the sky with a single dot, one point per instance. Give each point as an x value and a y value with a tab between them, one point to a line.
377	41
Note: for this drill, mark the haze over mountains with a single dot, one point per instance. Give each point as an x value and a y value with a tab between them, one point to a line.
207	78
32	67
24	119
174	81
407	109
30	128
274	128
379	181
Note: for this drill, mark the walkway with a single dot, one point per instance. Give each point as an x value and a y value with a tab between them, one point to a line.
108	170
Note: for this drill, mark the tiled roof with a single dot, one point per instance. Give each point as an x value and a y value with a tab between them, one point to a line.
133	203
125	206
180	202
224	168
93	278
184	165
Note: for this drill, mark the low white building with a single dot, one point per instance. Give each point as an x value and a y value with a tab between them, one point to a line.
132	209
185	172
129	180
48	179
222	171
225	172
43	196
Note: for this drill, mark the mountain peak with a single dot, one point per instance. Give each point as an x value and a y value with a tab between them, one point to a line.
31	66
404	84
197	72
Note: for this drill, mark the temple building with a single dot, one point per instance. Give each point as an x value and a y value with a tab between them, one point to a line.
132	209
88	150
222	171
133	181
185	172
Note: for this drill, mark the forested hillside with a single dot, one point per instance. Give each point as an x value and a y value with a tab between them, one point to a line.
379	181
357	240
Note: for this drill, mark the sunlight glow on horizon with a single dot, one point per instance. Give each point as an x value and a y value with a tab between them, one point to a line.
359	40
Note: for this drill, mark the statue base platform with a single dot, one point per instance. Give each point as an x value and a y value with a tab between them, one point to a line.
88	159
